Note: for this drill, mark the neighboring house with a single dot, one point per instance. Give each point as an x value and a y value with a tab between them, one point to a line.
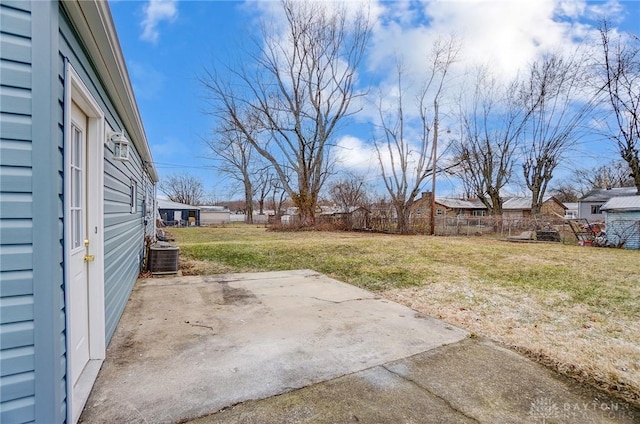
178	214
622	221
572	210
446	206
590	203
73	219
210	215
520	207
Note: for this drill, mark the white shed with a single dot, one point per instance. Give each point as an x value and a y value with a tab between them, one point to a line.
212	215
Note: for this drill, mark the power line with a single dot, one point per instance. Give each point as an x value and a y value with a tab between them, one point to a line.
175	165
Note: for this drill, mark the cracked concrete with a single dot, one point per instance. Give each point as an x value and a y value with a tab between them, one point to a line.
471	381
220	340
299	347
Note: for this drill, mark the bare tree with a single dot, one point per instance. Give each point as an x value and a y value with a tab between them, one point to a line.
232	154
491	122
554	91
621	73
263	186
406	156
297	87
183	188
278	196
565	191
613	174
349	191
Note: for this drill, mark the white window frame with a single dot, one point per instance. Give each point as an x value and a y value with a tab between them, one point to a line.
133	196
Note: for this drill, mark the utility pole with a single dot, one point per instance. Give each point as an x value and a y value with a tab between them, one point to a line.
434	153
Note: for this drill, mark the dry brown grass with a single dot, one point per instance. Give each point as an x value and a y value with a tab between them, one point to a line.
575	309
591	345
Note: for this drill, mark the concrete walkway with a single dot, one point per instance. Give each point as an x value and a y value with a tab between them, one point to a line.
299	347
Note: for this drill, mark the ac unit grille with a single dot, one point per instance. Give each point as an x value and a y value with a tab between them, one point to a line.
163	258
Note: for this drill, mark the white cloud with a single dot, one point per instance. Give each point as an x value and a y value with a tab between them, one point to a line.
156	11
353	154
508	34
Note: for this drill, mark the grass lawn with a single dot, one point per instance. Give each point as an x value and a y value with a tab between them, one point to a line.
575	309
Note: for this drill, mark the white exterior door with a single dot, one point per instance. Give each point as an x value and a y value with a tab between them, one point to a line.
85	138
78	245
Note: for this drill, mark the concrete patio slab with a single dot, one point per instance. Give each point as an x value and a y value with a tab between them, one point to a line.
190	346
472	381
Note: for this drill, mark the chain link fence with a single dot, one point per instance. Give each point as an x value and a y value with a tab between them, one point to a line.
504	227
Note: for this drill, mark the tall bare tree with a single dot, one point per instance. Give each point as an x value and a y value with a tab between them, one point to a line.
233	156
183	188
621	73
554	89
297	87
491	121
405	141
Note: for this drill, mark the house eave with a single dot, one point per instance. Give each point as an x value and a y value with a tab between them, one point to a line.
94	23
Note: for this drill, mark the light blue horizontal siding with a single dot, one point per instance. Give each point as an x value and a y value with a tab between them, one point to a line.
21	5
15	74
123	233
15	100
17	360
15	179
15	153
17	347
17	386
15	48
18	410
122	252
16	335
16	231
15	126
15	205
16	283
16	309
15	21
16	257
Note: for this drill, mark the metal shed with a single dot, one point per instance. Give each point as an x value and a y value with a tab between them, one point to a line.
622	221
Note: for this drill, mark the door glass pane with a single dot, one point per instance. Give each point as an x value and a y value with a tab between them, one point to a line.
76	192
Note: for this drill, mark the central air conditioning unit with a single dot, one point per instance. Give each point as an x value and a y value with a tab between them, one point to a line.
163	258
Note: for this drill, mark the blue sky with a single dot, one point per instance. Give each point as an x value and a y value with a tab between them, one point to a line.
167	45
